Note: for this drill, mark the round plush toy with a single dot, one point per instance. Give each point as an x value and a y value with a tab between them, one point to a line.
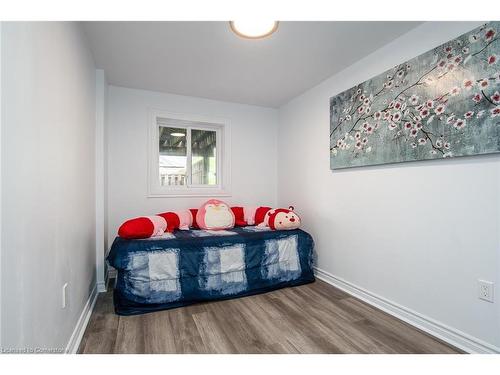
281	219
215	215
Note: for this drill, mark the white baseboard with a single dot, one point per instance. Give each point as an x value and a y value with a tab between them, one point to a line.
447	334
101	286
81	325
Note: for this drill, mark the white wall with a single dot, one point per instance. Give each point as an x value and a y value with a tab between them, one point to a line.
253	152
418	234
1	129
48	191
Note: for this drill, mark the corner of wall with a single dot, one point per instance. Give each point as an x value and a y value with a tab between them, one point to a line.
100	178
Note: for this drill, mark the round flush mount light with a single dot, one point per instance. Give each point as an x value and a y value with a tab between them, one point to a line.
177	134
253	29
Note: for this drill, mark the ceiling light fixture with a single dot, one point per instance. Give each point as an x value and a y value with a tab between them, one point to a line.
177	134
253	29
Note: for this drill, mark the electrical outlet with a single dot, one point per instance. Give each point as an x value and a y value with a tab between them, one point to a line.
485	290
64	295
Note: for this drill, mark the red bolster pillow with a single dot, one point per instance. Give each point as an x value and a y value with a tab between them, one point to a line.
172	219
239	217
143	227
260	214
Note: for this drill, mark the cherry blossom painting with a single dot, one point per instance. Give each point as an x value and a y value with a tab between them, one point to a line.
443	103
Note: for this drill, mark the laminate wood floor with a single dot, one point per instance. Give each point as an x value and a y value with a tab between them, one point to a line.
313	318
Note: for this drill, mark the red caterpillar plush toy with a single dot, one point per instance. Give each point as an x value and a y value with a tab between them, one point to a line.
276	219
281	219
213	215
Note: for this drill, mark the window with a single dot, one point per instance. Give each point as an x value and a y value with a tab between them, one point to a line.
187	156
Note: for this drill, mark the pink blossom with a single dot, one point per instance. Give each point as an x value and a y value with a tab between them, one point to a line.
490	34
414	100
477	98
430	103
377	115
455	91
457	59
396	116
450	119
424	113
459	124
448	49
440	109
495	111
418	125
442	63
468	114
422	141
492	59
495	98
413	133
483	83
468	84
407	125
397	105
361	109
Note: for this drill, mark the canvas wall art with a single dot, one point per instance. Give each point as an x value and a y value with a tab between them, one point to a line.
443	103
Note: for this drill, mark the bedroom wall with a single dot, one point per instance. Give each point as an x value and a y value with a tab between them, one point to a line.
417	234
253	152
48	189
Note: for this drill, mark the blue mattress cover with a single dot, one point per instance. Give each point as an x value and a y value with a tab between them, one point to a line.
192	266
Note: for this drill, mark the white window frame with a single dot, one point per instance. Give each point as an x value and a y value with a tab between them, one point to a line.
223	139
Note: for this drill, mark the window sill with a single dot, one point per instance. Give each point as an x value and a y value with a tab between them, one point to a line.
190	193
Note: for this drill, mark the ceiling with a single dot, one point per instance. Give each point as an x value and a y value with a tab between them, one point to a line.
205	59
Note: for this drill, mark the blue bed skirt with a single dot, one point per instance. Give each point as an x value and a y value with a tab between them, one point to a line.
194	266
